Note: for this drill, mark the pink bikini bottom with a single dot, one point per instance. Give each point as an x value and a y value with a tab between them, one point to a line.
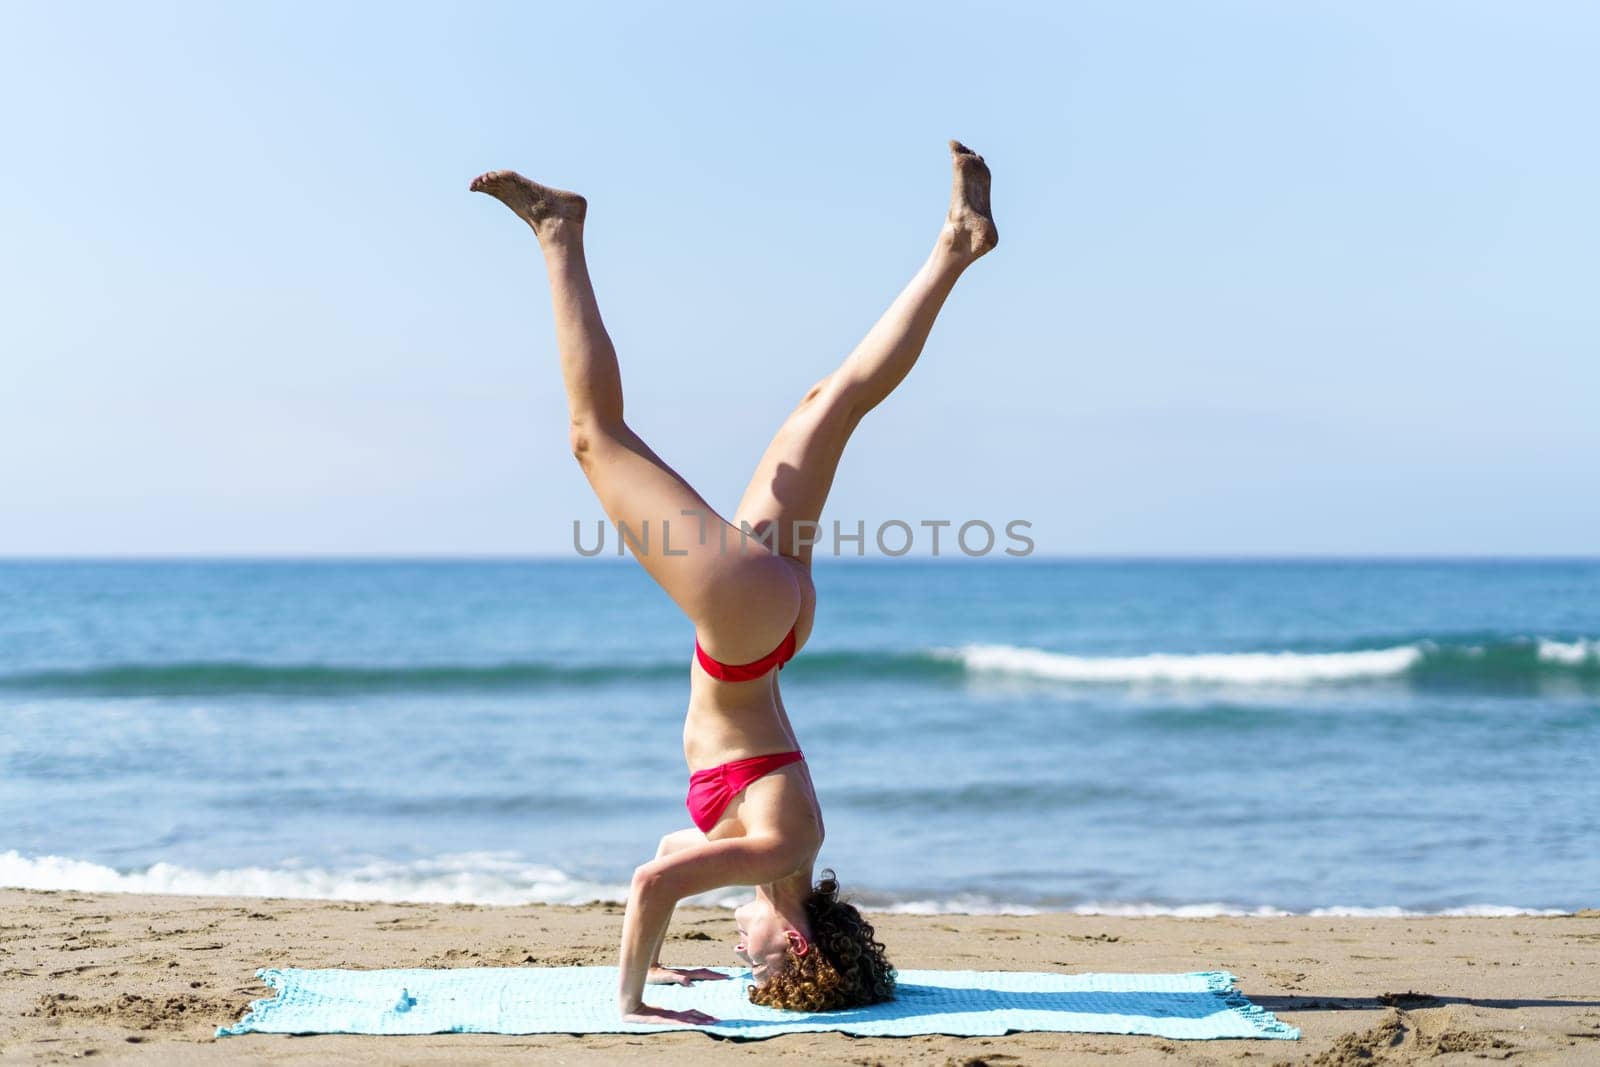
713	789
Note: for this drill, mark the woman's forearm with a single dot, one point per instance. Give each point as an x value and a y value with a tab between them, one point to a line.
661	883
650	908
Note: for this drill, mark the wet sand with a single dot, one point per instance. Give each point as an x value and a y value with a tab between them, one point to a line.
121	978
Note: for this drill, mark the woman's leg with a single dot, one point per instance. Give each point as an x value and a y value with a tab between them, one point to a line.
791	482
746	599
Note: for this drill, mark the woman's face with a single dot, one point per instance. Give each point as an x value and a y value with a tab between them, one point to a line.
764	939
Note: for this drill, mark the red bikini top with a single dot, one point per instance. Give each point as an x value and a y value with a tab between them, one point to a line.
746	672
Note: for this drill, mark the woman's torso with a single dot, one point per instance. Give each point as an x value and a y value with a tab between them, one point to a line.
729	721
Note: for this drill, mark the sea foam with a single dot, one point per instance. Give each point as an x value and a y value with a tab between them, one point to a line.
1570	653
1236	668
466	878
492	878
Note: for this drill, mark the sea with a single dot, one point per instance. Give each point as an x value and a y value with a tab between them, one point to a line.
1190	737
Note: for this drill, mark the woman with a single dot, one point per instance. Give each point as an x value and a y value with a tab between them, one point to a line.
746	586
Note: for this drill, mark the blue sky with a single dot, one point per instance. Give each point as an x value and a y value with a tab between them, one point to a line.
1274	278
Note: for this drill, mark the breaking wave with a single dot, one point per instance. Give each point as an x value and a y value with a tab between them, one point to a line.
492	878
1422	661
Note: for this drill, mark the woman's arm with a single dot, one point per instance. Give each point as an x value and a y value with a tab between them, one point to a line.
659	975
649	911
660	884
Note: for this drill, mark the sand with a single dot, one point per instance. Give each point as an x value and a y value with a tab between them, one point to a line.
119	978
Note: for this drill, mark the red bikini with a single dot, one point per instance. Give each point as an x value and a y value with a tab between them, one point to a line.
746	672
713	789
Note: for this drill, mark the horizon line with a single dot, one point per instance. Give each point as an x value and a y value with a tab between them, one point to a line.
955	557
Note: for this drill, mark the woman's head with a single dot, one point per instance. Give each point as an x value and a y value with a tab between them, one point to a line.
838	964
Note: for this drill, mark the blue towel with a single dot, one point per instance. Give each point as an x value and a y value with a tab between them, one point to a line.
582	1000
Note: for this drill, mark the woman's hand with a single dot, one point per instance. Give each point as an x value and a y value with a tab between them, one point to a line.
650	1016
659	975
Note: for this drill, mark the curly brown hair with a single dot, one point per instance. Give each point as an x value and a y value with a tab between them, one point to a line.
845	968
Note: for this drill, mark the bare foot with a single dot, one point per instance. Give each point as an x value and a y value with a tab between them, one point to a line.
538	205
970	227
